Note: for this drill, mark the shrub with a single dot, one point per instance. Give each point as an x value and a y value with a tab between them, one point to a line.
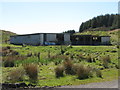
48	53
118	46
29	54
9	63
67	53
93	60
14	52
75	68
84	72
68	67
117	66
16	75
105	64
106	60
71	56
89	59
32	71
59	71
98	73
8	47
8	52
80	56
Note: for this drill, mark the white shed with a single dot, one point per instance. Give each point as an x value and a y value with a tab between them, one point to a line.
39	39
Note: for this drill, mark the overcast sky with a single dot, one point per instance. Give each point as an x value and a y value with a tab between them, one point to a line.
51	17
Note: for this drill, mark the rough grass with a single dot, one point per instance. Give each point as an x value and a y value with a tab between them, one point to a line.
68	65
46	76
16	75
84	72
32	71
59	71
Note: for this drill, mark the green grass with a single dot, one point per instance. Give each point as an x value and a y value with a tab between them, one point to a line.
5	35
46	75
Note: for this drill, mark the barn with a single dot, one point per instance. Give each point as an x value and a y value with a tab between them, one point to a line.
59	39
41	39
90	40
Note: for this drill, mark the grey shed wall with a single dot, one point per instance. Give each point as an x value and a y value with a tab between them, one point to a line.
26	39
67	39
51	37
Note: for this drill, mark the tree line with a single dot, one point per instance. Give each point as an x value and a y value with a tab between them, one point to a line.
108	20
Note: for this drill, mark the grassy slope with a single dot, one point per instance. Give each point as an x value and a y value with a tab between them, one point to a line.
114	34
5	35
46	72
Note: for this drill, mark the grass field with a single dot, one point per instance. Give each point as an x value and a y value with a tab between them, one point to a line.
51	57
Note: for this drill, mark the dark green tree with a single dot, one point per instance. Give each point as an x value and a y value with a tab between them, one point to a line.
111	21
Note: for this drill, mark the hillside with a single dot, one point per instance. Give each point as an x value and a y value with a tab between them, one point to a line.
5	35
113	33
102	22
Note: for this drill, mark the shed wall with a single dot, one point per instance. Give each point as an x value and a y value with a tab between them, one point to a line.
105	40
51	37
67	39
28	39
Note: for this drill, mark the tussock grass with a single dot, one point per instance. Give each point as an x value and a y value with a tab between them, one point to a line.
106	60
84	72
98	73
8	63
68	65
32	71
16	75
89	59
59	71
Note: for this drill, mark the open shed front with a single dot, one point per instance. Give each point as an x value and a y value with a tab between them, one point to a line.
81	39
89	40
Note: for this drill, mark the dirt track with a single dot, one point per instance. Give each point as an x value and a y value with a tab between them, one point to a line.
108	84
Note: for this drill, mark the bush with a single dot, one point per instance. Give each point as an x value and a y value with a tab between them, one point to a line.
118	46
32	71
14	52
68	67
8	47
16	75
9	63
98	73
117	66
75	68
29	54
106	60
80	56
89	59
84	72
105	64
59	71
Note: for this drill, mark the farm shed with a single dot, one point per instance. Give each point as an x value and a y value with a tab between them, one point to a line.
90	40
41	39
58	39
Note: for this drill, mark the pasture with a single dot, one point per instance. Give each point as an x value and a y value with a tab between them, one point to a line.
59	65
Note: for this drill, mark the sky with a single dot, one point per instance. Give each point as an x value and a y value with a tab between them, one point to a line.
50	17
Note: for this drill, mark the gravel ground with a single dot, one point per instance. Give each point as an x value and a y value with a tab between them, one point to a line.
108	84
